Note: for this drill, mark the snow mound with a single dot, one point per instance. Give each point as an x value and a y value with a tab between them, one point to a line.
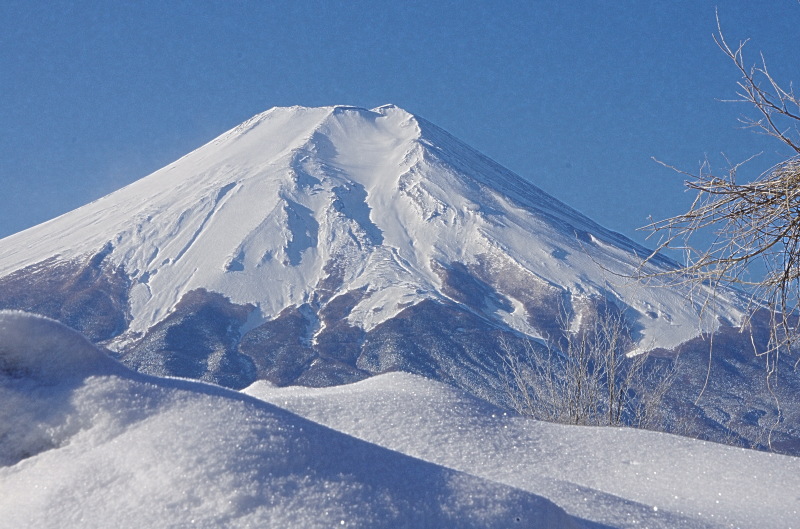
41	363
618	477
101	446
35	347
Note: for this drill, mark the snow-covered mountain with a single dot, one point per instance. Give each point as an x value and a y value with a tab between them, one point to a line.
320	246
337	222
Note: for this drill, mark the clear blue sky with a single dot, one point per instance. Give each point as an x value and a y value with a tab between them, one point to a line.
574	96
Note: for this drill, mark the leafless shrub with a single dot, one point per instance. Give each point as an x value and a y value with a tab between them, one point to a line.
587	377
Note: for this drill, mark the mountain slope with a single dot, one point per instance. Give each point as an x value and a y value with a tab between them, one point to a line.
297	199
319	246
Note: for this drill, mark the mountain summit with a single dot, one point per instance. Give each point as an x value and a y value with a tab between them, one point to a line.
322	245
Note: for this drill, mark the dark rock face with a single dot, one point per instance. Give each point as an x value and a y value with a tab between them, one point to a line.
197	340
285	353
279	352
88	295
443	342
722	392
543	302
466	288
433	339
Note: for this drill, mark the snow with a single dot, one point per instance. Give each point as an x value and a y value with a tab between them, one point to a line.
264	212
618	477
86	443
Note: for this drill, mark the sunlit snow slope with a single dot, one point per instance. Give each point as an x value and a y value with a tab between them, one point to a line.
619	477
85	442
297	199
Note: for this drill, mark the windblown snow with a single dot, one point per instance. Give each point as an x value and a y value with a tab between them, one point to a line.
297	199
619	477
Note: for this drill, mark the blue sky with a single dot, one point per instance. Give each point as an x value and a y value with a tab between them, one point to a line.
574	96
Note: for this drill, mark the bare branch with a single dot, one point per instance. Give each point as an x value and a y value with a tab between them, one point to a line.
756	225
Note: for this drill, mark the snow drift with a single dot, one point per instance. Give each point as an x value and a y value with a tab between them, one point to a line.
84	442
614	476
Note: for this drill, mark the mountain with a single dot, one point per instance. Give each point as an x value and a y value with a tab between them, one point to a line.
320	246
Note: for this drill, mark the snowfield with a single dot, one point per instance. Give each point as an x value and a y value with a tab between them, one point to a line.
85	442
621	477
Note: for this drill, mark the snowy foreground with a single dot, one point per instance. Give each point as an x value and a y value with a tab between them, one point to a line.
85	442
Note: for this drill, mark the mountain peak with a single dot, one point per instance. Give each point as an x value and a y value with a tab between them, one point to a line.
360	213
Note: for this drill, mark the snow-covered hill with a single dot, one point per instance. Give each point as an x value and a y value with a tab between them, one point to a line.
618	477
85	442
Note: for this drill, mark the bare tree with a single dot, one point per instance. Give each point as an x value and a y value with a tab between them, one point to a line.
586	377
757	223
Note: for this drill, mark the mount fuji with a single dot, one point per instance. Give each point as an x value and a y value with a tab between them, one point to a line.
321	246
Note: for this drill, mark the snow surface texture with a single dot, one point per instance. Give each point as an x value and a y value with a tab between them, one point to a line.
300	200
617	477
84	442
